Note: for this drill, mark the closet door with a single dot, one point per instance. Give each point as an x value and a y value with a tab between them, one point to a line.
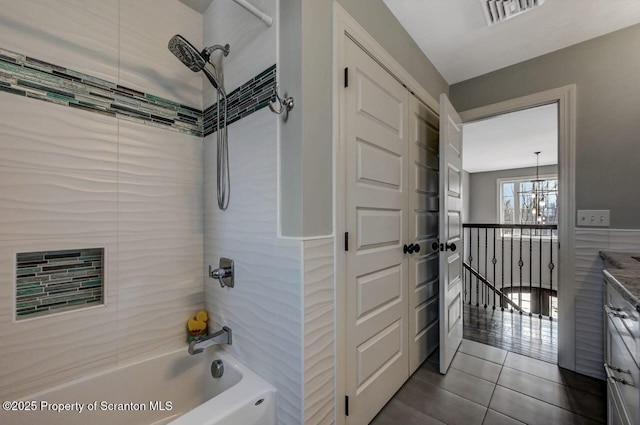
423	232
450	233
376	132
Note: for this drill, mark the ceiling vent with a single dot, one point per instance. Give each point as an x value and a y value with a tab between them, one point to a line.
496	11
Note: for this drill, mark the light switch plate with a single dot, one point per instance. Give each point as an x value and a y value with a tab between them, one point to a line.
593	218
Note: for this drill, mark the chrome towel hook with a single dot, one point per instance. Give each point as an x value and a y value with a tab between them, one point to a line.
286	104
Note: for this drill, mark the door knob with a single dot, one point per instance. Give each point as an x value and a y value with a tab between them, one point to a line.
444	247
411	248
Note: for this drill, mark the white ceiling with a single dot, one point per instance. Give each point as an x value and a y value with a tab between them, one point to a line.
510	140
455	37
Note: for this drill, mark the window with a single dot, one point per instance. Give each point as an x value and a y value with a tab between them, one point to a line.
528	201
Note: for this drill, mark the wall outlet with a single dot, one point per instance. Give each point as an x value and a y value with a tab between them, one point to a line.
593	218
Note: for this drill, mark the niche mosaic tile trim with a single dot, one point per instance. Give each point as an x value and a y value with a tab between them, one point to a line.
26	76
252	96
53	281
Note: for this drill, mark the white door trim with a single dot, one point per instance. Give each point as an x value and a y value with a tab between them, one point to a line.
345	24
566	99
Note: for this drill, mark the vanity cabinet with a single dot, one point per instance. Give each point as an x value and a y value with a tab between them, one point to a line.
621	356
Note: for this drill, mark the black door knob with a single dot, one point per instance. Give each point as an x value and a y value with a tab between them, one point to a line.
435	246
408	249
451	247
416	247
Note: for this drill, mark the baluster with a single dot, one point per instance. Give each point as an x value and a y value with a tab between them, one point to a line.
469	259
530	272
520	264
478	280
494	261
540	267
502	274
511	267
486	274
551	266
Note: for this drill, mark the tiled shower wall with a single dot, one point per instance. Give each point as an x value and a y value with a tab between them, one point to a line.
73	179
275	333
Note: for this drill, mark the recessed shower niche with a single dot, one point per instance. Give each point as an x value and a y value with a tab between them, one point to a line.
50	282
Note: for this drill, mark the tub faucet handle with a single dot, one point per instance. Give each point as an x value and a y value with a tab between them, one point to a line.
224	273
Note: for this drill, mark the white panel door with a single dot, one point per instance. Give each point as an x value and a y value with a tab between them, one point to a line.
423	232
450	233
376	218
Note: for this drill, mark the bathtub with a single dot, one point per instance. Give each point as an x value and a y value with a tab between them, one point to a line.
174	388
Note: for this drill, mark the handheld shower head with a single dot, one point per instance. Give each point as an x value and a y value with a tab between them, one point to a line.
193	59
187	53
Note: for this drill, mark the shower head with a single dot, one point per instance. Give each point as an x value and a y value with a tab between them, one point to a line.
194	60
187	53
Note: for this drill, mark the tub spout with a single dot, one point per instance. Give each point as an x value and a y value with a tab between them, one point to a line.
223	336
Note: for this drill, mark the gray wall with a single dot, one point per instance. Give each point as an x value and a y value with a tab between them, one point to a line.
306	68
466	197
483	191
606	71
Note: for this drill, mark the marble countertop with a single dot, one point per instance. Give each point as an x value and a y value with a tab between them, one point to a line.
626	271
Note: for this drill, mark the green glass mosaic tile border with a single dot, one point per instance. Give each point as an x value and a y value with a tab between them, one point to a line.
26	76
52	281
250	97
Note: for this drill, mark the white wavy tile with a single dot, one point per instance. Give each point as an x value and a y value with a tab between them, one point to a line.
264	311
77	34
265	307
253	168
624	240
146	64
157	260
319	333
49	350
35	134
589	333
319	366
253	44
38	204
318	274
146	205
159	289
158	154
153	320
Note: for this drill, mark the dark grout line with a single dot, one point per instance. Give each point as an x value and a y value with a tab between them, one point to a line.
543	401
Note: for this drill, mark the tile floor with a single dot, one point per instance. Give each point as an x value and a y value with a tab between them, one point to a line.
488	385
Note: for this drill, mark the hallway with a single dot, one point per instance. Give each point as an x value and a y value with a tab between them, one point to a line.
487	385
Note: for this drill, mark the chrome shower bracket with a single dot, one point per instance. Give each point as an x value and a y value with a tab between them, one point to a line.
224	274
285	105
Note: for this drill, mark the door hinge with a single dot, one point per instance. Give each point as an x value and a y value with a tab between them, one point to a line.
346	405
346	77
346	241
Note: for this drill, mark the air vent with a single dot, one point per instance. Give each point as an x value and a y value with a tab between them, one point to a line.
496	11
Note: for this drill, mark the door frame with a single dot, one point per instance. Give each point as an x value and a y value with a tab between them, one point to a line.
345	25
565	97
